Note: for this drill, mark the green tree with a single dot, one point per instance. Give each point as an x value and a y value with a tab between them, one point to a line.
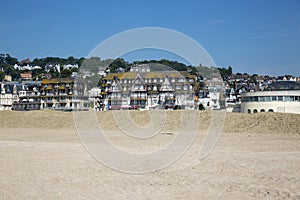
10	60
119	63
65	73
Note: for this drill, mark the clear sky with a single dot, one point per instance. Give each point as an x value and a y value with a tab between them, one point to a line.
253	36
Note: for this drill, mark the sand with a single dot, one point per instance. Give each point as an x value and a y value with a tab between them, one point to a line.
256	157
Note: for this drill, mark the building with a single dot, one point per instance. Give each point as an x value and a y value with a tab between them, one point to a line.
70	67
8	78
28	97
26	76
95	98
8	95
46	76
140	68
134	90
63	94
280	96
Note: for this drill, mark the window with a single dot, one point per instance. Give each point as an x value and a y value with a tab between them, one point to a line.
270	110
274	98
262	110
255	98
287	98
268	98
280	98
261	99
249	111
254	111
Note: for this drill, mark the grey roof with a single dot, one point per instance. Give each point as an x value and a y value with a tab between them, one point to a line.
20	86
283	85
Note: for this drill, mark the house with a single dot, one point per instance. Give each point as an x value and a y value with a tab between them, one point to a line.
26	76
95	98
103	71
55	67
46	76
70	67
8	95
24	62
7	78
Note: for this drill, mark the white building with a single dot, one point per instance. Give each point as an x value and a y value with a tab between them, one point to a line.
282	96
271	101
70	67
7	97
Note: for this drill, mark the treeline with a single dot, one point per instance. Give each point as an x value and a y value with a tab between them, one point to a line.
42	62
93	65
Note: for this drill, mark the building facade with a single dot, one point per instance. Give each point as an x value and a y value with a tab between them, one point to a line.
8	96
271	101
280	96
29	97
139	90
63	94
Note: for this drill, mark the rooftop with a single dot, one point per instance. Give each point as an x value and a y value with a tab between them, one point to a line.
58	80
157	74
283	85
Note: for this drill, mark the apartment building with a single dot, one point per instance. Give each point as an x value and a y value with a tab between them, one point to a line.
135	89
63	94
28	96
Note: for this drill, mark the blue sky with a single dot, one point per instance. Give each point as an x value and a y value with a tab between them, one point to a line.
253	36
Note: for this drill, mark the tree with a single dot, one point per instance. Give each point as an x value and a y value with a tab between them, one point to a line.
119	63
230	70
225	72
71	60
10	60
1	75
54	73
65	73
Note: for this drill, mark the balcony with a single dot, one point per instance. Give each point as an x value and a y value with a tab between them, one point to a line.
62	101
138	96
62	94
116	98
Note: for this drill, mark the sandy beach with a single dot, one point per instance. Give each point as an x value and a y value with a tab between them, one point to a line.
256	157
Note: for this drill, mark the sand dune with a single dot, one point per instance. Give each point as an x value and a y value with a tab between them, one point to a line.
256	157
235	122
